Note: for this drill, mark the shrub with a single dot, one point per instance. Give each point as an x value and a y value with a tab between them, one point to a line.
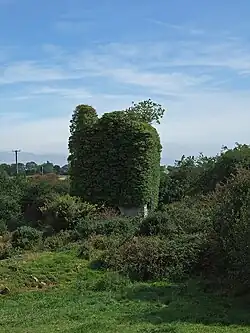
190	215
187	216
10	211
5	250
3	227
159	223
26	238
37	191
60	240
99	242
64	211
150	258
35	195
114	226
84	251
231	224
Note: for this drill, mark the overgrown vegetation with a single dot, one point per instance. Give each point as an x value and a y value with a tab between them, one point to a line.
115	159
198	234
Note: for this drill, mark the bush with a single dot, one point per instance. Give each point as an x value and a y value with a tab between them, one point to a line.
5	250
152	258
84	251
60	240
37	191
3	227
159	223
63	212
99	242
10	211
231	227
26	238
187	216
113	226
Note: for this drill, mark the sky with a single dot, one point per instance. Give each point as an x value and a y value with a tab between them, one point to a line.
191	56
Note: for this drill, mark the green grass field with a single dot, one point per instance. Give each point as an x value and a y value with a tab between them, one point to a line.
57	292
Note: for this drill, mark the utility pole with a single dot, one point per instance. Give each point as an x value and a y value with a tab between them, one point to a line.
16	151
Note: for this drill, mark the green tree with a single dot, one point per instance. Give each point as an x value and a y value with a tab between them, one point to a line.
57	169
65	169
4	167
146	111
224	166
47	167
31	168
185	178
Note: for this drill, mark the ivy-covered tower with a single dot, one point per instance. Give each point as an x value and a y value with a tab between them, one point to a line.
114	160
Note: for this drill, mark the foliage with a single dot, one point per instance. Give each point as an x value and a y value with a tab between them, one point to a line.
225	166
26	238
3	227
5	250
123	226
183	217
31	168
185	178
231	223
64	211
10	211
59	240
115	160
192	176
153	258
157	223
34	196
146	111
191	215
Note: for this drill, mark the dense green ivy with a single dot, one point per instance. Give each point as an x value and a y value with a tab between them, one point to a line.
115	160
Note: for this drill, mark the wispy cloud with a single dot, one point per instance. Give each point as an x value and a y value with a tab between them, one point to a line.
179	28
190	77
32	71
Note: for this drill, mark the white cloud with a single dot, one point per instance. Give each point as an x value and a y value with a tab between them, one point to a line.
39	136
197	123
31	71
202	116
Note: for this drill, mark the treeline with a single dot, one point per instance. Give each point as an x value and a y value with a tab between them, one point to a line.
193	176
32	168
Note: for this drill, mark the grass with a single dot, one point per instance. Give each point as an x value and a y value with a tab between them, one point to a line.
76	299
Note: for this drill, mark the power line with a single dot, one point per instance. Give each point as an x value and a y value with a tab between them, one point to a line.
16	151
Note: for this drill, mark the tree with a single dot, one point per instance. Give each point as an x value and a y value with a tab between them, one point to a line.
65	169
184	178
47	167
224	166
57	169
146	111
4	167
31	168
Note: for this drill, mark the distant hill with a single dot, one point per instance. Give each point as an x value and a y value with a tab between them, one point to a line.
23	157
171	152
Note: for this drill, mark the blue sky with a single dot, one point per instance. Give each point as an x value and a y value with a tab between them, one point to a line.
191	56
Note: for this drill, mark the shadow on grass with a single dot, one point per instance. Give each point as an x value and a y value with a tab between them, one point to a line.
189	304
